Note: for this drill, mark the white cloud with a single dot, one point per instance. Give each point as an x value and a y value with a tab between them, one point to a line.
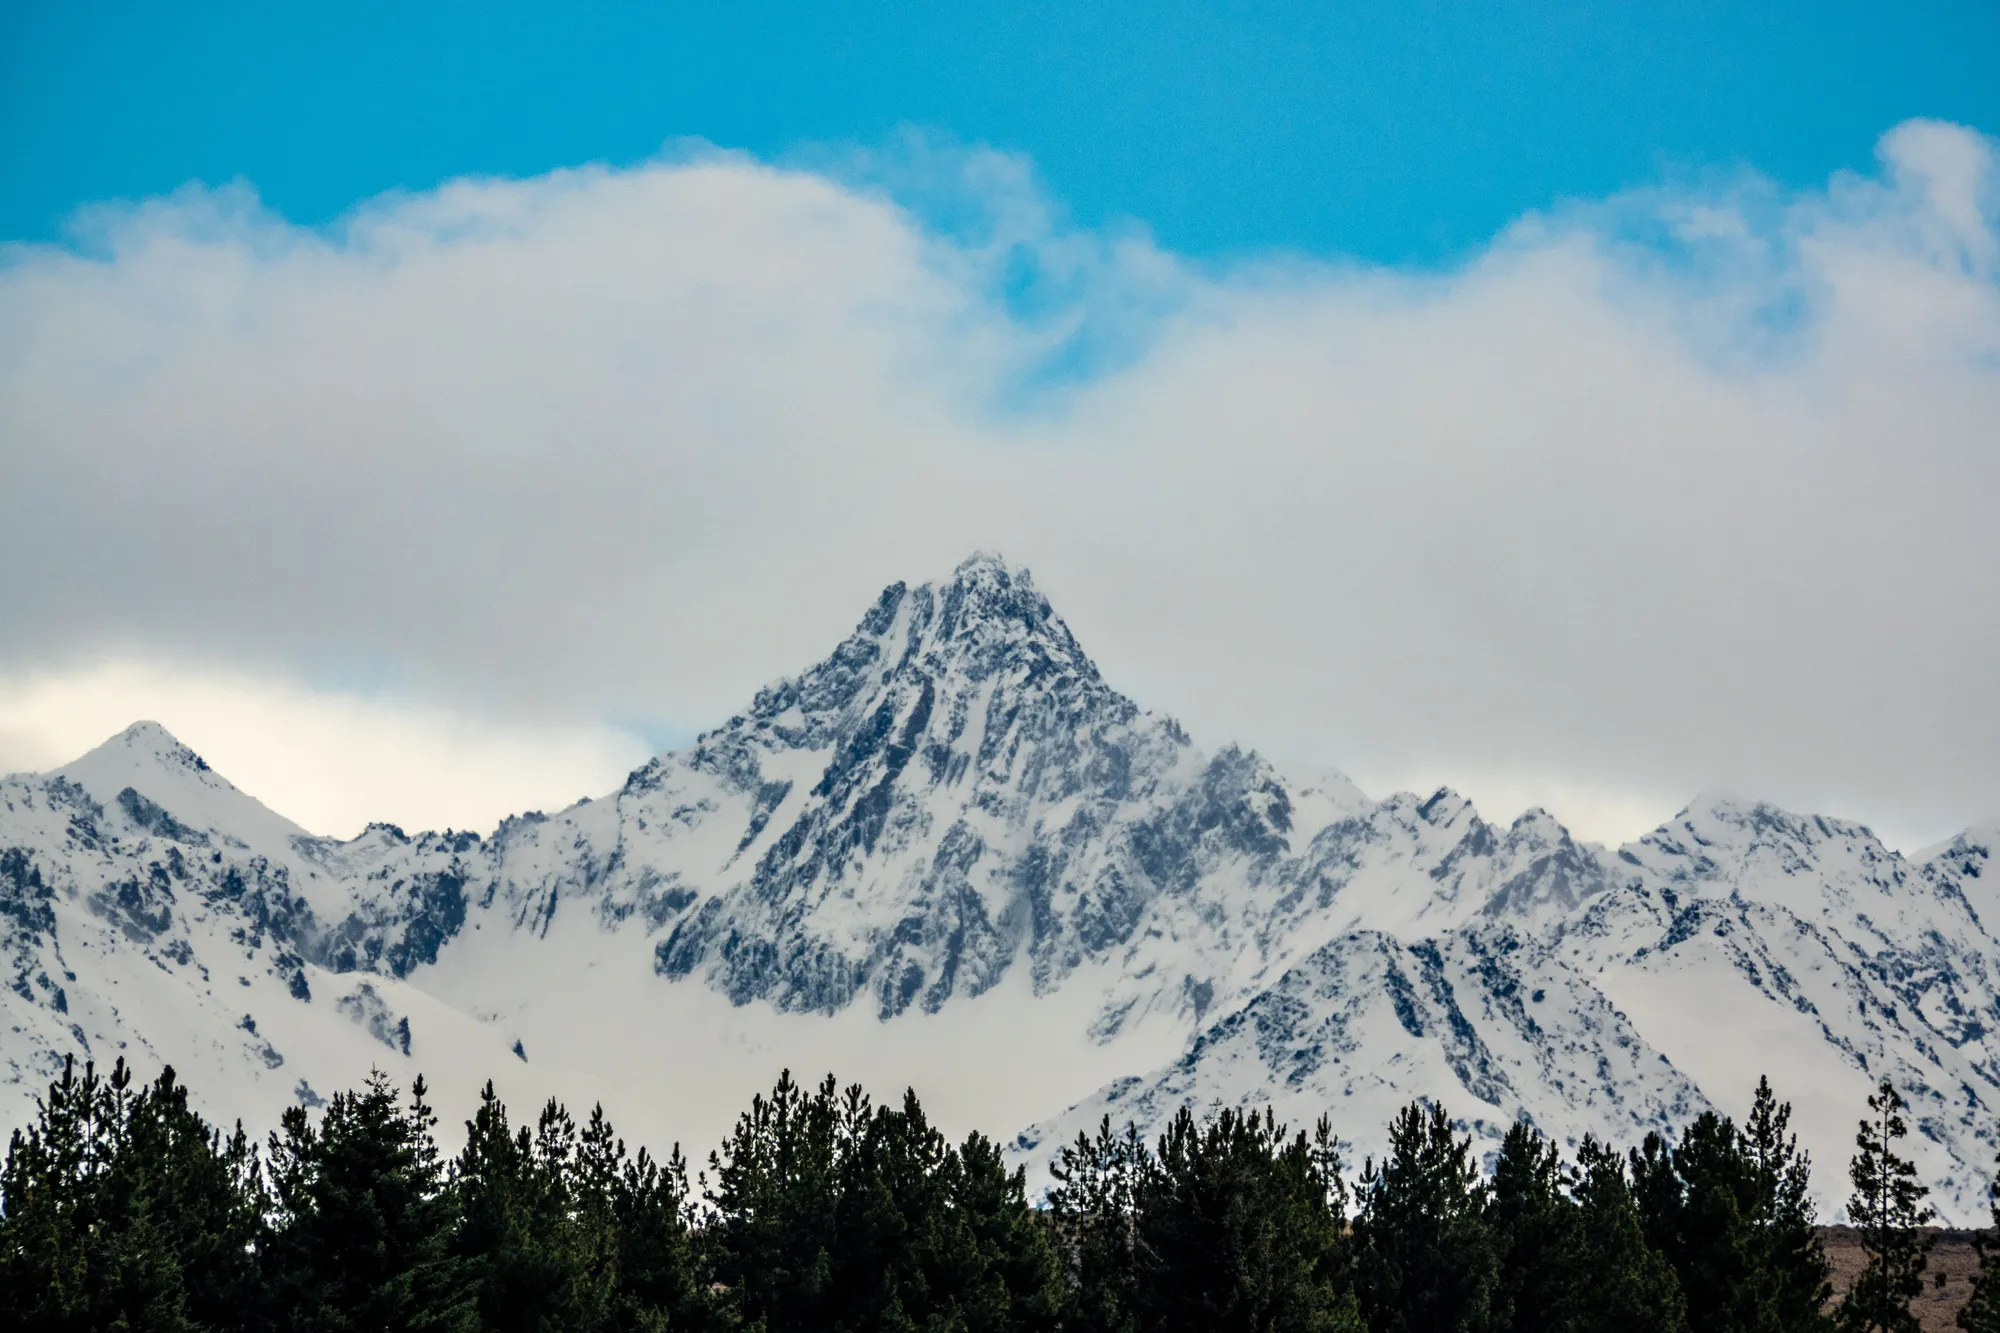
331	762
1670	492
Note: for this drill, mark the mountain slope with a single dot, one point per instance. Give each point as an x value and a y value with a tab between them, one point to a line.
150	910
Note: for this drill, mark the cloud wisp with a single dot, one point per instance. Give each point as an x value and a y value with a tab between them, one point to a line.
331	760
1683	489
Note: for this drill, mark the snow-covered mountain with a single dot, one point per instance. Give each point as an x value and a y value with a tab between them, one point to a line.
952	855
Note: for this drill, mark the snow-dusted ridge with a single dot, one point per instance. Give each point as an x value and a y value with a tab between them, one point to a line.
952	855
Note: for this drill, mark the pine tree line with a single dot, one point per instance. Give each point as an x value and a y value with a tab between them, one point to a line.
121	1208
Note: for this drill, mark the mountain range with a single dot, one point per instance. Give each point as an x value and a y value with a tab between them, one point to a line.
952	855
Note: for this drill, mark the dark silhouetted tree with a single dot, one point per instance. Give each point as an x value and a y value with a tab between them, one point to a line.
1010	1276
124	1210
1622	1285
660	1283
1731	1211
1887	1208
1424	1258
1793	1274
1092	1210
1981	1312
773	1196
1537	1234
539	1246
1573	1258
1237	1227
832	1213
932	1237
364	1223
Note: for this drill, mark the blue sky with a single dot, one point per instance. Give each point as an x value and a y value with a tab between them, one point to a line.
1396	133
464	505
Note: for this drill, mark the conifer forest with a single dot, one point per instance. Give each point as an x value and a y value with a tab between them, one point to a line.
825	1211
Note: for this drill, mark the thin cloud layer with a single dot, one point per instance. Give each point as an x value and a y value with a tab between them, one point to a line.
331	761
1684	489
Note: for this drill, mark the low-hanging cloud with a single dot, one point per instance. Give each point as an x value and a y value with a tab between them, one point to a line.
1682	489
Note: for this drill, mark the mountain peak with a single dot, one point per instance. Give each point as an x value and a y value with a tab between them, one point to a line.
148	740
988	616
1713	814
1983	838
152	763
986	626
987	566
988	585
1536	823
985	586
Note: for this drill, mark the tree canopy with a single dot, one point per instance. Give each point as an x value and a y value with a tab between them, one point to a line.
824	1211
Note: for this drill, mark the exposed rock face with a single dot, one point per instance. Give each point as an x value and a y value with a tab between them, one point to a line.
960	757
955	799
1485	1012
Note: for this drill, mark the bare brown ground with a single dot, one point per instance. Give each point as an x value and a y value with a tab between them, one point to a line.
1947	1280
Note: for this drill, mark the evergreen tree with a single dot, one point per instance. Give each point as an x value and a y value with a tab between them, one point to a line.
1015	1271
1981	1313
363	1233
1620	1284
1092	1214
201	1195
832	1213
659	1270
1888	1209
930	1237
1236	1227
1659	1194
1424	1259
1573	1258
124	1210
1794	1283
1697	1198
890	1192
540	1249
1731	1211
774	1194
1537	1233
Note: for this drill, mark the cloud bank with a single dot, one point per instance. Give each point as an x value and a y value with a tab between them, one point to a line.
1689	488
